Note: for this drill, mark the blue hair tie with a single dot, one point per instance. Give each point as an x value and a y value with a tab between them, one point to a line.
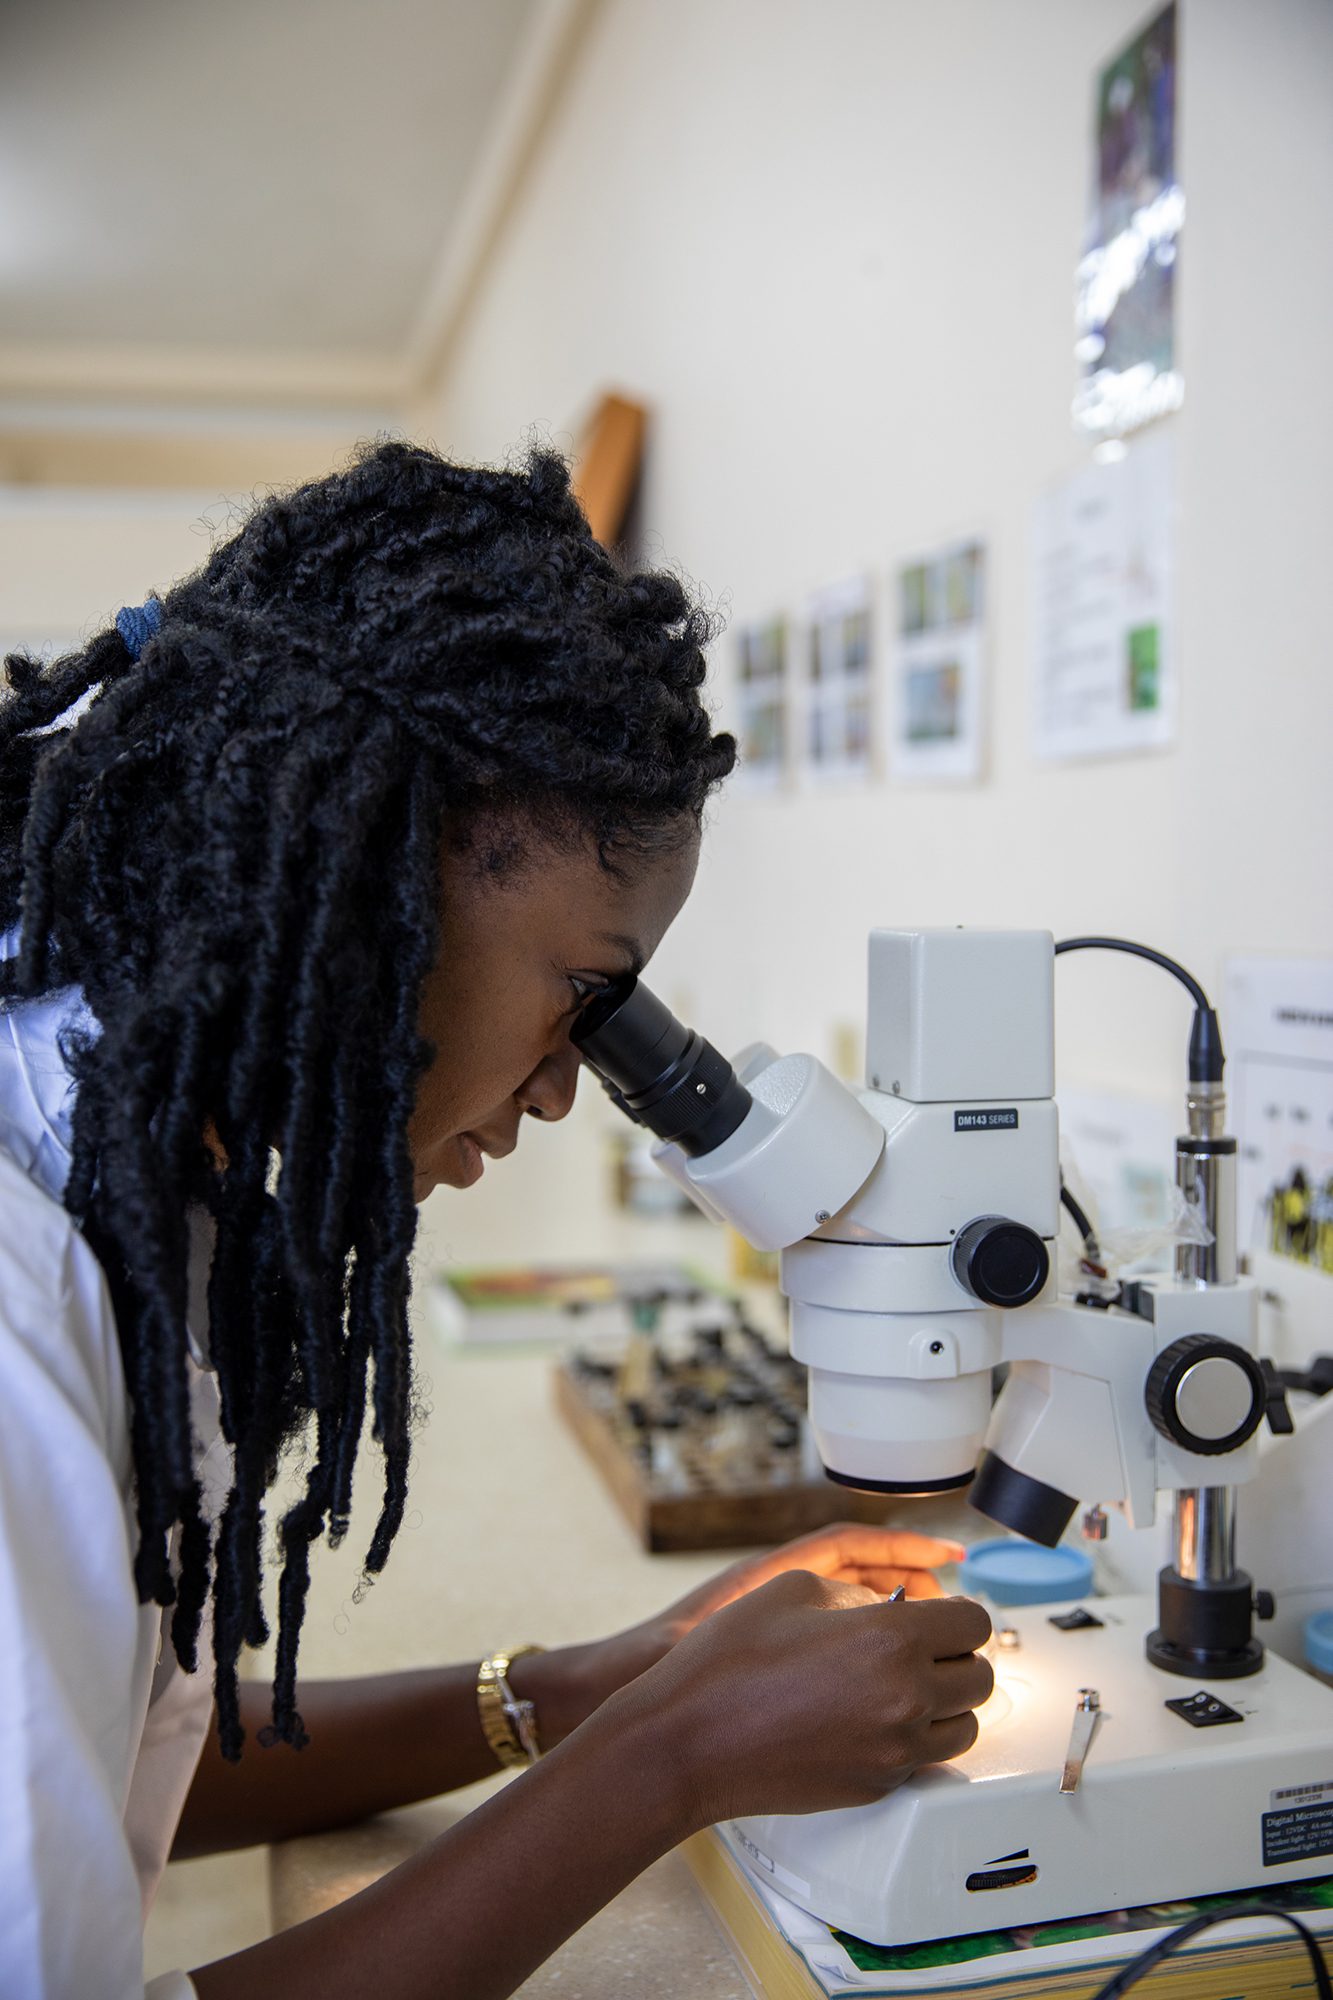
137	623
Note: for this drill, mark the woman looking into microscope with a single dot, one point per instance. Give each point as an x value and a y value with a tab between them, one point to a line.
306	869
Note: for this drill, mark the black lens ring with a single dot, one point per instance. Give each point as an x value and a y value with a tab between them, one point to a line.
665	1075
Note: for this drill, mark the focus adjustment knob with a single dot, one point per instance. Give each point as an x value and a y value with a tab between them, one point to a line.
1206	1394
1000	1262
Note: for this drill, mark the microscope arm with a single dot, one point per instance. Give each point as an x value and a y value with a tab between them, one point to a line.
1071	1414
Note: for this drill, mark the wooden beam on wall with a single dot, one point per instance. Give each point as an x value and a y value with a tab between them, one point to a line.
610	457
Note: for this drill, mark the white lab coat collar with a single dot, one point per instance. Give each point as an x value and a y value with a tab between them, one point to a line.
36	1089
37	1095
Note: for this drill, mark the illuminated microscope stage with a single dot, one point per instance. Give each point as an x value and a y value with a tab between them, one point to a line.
1166	1808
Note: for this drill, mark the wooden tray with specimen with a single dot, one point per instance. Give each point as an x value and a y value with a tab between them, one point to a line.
703	1437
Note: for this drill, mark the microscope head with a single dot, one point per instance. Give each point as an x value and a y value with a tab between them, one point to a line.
774	1151
916	1220
910	1214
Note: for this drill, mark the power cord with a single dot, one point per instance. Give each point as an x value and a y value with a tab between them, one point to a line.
1206	1059
1078	1216
1147	1961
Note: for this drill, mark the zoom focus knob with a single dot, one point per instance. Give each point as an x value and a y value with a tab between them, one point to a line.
1000	1262
1206	1394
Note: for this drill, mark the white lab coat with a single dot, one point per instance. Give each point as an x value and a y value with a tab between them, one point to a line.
100	1729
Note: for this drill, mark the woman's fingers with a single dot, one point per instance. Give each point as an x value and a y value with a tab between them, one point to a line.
849	1545
952	1736
848	1552
962	1684
895	1683
915	1582
957	1626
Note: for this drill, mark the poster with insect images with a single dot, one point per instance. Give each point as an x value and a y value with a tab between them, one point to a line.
763	705
1126	282
936	694
838	710
1278	1020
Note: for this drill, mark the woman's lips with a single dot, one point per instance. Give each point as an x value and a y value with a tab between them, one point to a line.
469	1153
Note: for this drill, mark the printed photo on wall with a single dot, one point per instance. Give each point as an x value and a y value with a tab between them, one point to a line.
936	681
838	720
1126	288
763	705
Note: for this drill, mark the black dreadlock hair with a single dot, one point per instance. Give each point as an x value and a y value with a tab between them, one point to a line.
234	850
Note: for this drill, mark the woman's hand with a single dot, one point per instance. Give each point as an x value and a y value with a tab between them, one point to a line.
876	1560
806	1694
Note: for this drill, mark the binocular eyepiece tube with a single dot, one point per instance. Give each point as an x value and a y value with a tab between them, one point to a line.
659	1072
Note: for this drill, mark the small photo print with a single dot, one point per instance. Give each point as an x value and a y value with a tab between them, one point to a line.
915	599
962	586
764	651
840	646
762	701
837	739
934	703
935	692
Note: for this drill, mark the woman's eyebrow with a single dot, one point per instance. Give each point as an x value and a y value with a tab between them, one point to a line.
633	950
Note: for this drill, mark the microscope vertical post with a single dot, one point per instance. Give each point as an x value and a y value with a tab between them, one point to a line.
1205	1604
1205	1517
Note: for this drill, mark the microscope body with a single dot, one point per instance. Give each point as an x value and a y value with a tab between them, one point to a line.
917	1220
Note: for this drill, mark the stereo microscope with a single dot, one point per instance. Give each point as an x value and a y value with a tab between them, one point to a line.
1131	1752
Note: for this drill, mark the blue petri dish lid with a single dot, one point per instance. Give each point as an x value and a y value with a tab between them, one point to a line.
1318	1636
1011	1572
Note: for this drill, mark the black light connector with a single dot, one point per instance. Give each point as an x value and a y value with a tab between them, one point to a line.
1206	1060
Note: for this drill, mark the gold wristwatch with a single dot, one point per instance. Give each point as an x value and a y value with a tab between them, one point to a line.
508	1724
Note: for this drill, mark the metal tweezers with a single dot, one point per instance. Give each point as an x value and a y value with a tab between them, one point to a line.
1080	1736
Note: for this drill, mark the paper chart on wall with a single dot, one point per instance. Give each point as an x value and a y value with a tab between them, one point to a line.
1278	1021
838	720
936	692
1103	646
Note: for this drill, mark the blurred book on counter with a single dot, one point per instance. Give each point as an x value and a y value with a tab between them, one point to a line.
509	1305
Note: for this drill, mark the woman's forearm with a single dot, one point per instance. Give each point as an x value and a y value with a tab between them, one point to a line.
375	1743
478	1909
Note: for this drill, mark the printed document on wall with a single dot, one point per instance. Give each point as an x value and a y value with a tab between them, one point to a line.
1103	645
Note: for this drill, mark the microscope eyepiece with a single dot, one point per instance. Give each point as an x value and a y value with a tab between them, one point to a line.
657	1070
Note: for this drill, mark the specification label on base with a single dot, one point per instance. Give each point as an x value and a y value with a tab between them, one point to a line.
1301	1834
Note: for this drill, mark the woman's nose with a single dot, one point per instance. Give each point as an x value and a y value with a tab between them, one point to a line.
549	1091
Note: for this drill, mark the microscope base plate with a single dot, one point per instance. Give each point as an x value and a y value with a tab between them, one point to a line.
1164	1810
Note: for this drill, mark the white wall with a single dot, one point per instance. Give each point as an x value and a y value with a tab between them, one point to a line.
70	559
832	242
833	245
